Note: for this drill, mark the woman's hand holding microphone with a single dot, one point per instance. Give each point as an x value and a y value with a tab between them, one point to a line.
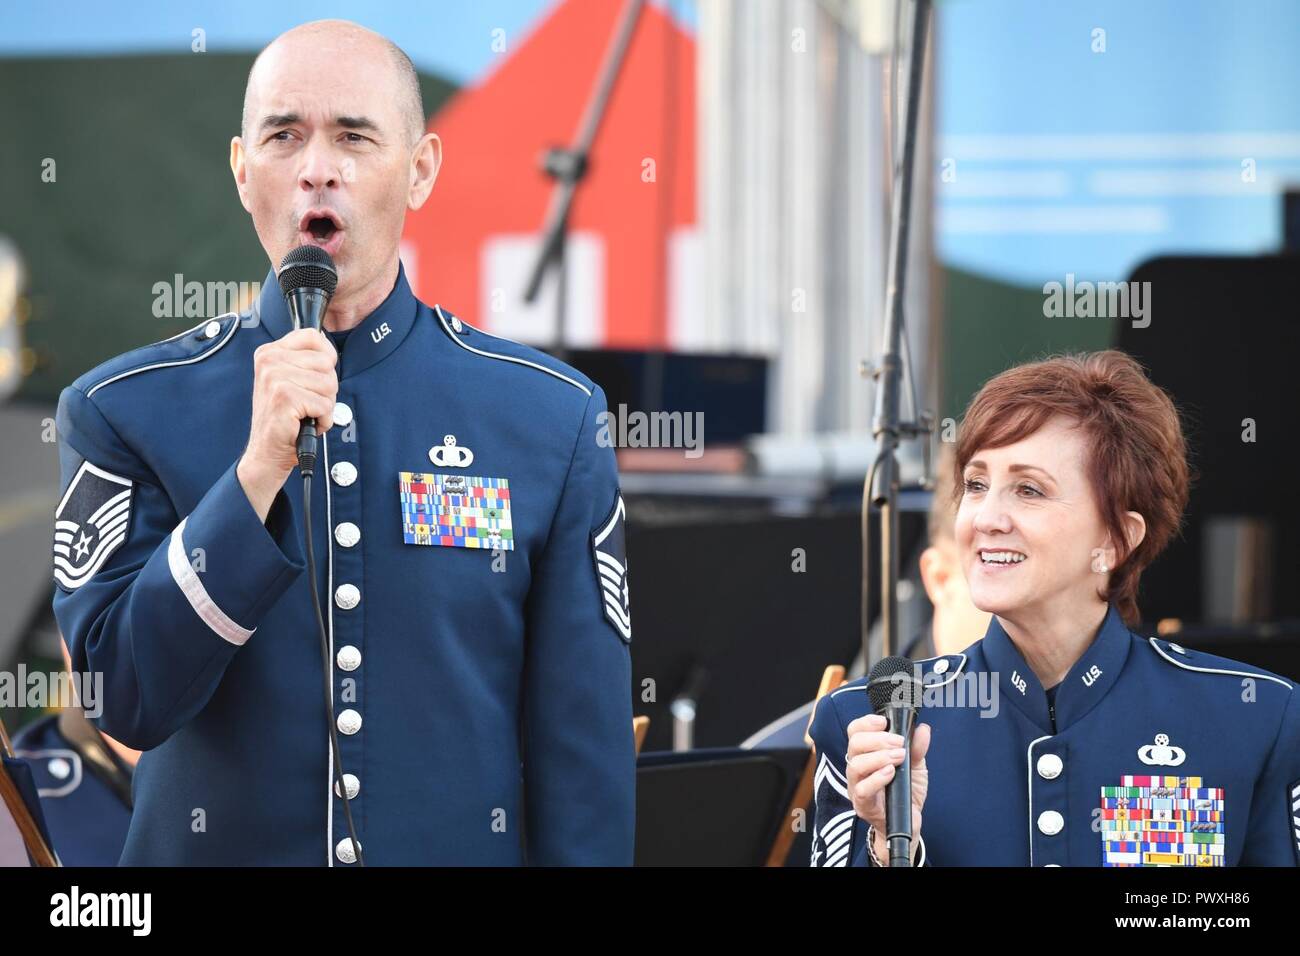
872	757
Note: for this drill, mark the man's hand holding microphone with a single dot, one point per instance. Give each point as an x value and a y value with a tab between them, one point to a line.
293	378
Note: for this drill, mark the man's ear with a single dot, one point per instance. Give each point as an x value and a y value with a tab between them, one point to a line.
426	160
239	171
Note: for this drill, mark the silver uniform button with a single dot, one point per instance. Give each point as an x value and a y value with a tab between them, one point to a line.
344	850
349	722
456	324
1051	864
342	414
348	657
211	329
1050	822
347	534
343	473
941	666
352	783
59	768
1176	649
347	596
1049	766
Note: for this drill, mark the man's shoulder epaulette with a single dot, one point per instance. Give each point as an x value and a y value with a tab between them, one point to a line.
506	350
185	348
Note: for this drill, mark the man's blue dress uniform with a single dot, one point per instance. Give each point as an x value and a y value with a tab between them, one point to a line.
1149	754
469	550
84	787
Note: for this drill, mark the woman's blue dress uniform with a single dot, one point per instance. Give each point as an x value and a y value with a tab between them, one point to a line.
468	532
1151	754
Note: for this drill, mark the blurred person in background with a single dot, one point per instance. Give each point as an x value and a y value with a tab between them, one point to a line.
83	778
955	621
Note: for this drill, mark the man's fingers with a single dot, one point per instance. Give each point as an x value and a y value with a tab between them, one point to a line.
306	339
323	384
314	359
303	403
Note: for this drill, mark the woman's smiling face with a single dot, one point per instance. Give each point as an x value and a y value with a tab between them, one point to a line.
1028	527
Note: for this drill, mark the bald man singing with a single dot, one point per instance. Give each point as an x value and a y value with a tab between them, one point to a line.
468	534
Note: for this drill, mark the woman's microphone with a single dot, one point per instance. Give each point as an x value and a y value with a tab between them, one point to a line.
895	694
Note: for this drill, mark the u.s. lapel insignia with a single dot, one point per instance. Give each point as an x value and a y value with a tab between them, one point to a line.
89	524
1160	754
1162	821
456	511
451	455
609	549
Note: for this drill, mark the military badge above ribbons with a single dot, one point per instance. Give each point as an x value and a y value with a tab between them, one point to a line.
456	511
90	524
609	551
1162	821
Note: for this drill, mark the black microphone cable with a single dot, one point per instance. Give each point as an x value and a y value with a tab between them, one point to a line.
307	464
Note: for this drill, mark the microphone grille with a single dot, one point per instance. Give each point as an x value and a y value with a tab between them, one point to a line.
893	681
308	267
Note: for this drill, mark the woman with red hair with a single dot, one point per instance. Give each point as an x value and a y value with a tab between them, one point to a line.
1063	738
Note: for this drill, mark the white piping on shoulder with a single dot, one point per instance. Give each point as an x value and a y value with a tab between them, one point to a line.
956	672
71	756
1214	670
505	358
843	690
189	361
181	335
194	591
941	683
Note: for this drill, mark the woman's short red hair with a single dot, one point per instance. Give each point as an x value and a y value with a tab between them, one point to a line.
1138	458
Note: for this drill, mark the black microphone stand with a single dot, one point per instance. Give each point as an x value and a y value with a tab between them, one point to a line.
881	487
568	167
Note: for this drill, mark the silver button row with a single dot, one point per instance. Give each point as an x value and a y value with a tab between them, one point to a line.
1050	766
349	722
343	850
353	784
1050	822
347	596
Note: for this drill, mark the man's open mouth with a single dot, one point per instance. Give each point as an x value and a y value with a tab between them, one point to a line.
320	226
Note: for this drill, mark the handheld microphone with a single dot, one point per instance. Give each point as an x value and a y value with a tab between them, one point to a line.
308	279
895	693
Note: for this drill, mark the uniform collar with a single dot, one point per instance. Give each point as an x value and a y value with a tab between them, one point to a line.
1087	682
371	341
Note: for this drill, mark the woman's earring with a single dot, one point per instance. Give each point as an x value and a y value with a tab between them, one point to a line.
1103	569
